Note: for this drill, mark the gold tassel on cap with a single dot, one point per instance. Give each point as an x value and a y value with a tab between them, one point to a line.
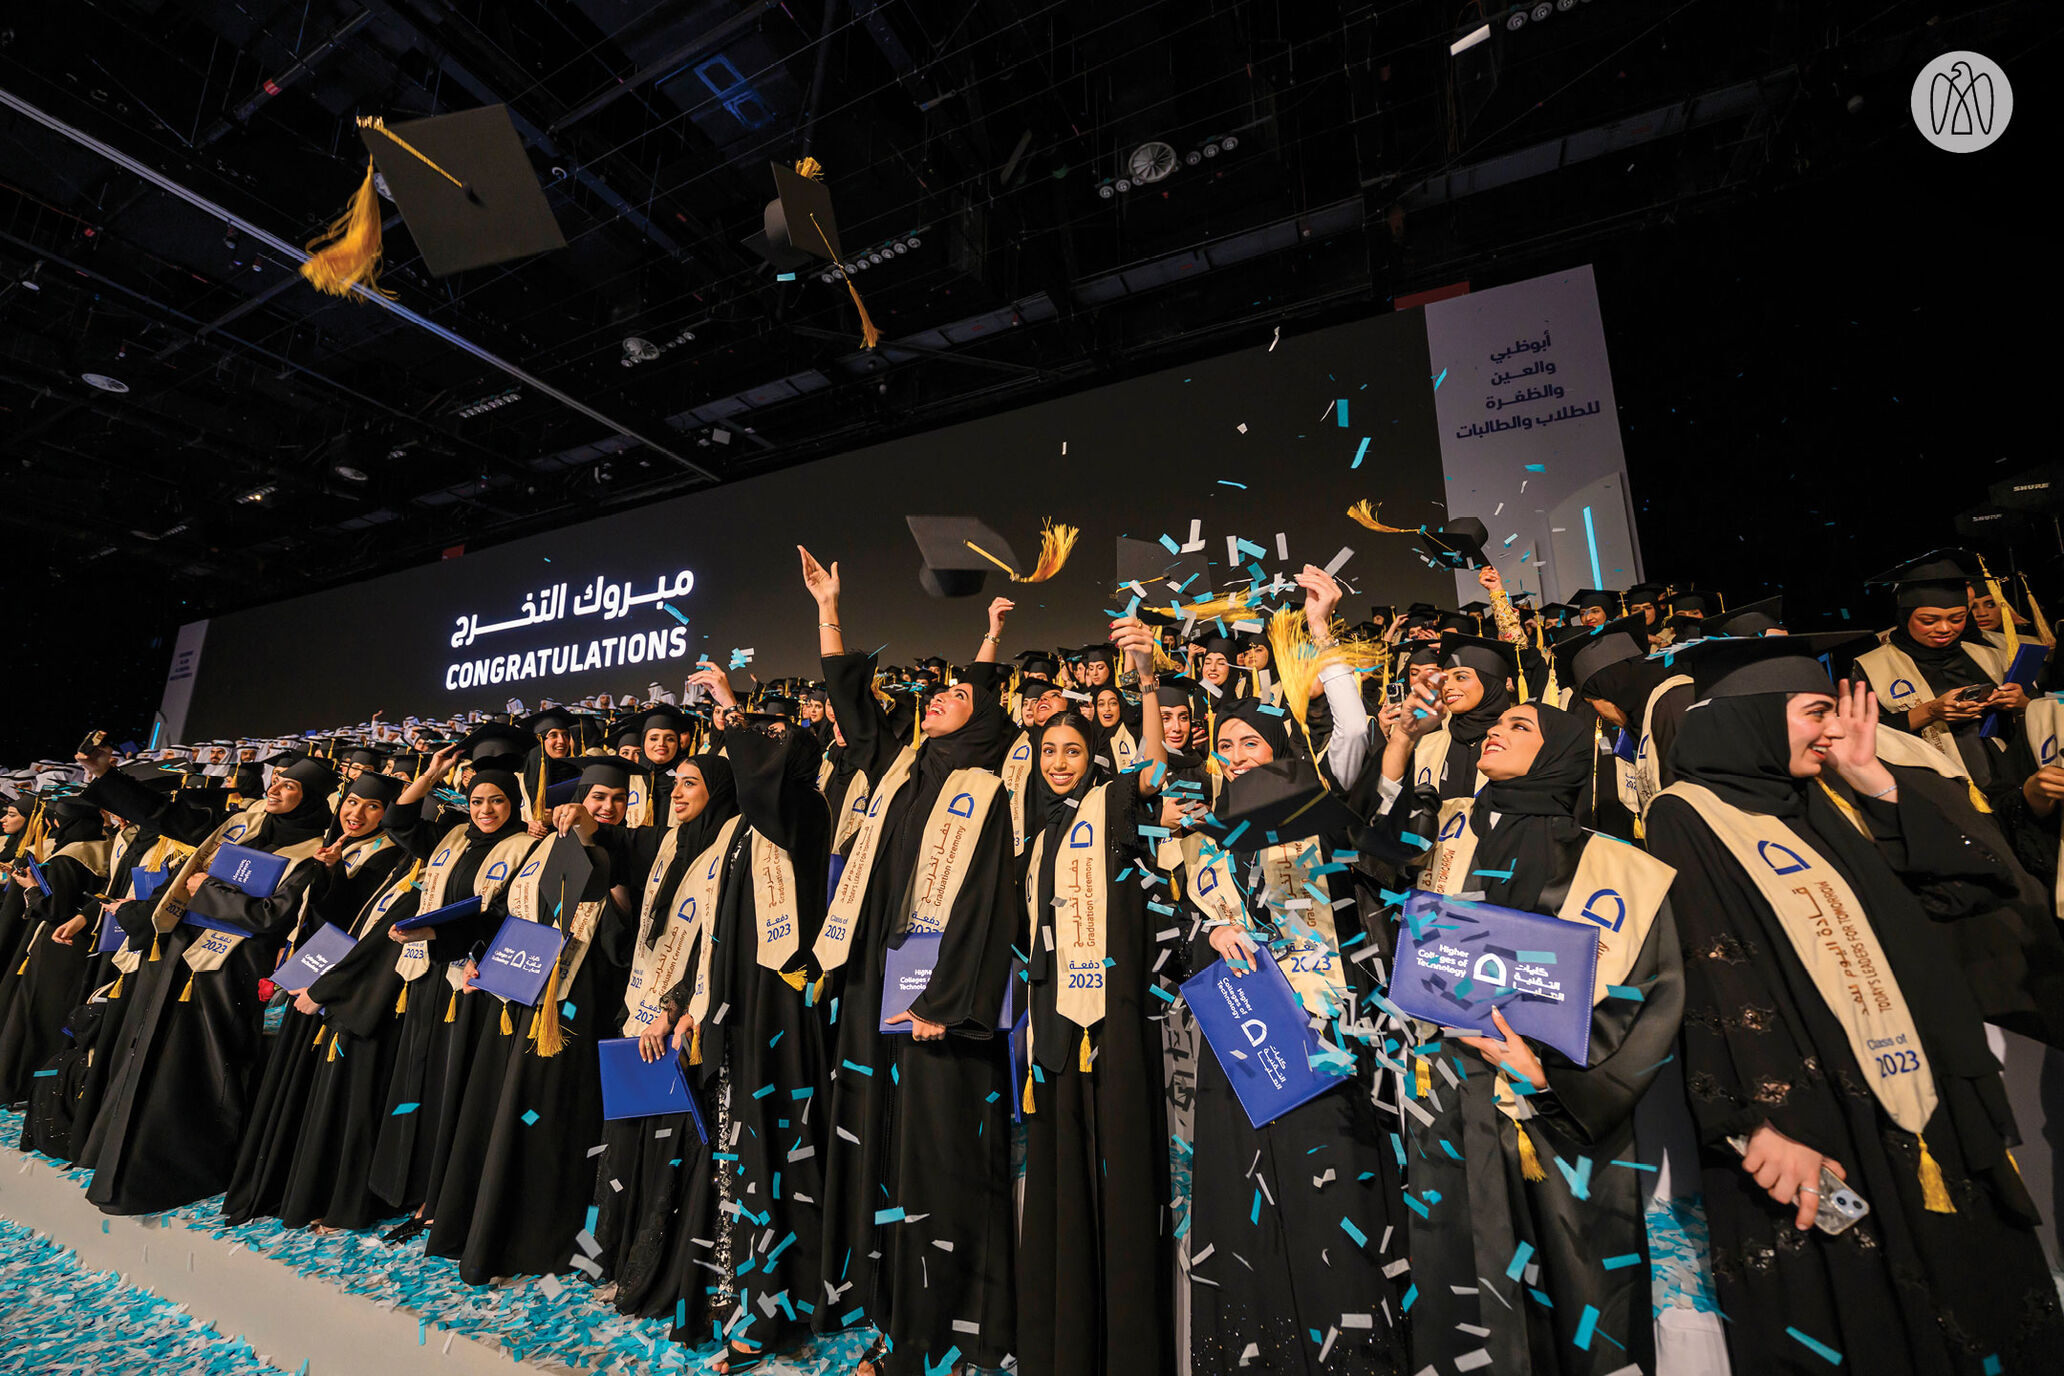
869	335
2006	608
1530	1167
346	256
1056	543
1365	513
2035	614
1934	1189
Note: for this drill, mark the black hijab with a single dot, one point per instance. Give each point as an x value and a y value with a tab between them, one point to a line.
1272	725
1945	668
504	783
1468	728
698	833
1046	808
776	781
1526	857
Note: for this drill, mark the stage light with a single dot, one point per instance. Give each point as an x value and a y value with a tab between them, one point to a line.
104	382
1192	158
900	248
1229	142
1469	40
874	258
28	279
1515	21
1103	189
1565	6
258	494
1124	184
353	475
1542	11
916	242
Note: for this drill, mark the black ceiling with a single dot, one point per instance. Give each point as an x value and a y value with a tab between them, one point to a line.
271	440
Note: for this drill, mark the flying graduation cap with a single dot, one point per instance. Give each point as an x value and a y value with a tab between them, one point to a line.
465	189
798	227
960	550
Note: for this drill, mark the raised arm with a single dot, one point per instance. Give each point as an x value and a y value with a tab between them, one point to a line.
1347	748
420	786
1136	643
824	590
992	643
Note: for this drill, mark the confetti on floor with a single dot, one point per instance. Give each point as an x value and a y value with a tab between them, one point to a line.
61	1317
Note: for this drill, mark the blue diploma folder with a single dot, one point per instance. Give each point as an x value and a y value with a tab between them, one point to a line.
1261	1036
2026	668
248	871
1457	960
520	960
907	973
313	958
437	917
633	1087
111	934
147	883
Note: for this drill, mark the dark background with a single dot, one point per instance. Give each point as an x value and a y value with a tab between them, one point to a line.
1827	336
1144	458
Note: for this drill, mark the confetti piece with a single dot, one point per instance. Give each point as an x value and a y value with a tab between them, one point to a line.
1520	1256
1360	453
530	1117
1586	1325
1816	1347
1622	1261
1227	482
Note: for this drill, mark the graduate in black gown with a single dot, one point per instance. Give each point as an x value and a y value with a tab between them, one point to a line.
358	862
1513	1144
647	1163
520	1175
752	1029
1294	1223
1828	1025
443	1022
920	1122
1474	693
1095	1259
179	1092
49	978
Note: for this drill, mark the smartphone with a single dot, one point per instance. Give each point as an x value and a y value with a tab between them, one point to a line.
1977	692
1840	1206
1395	694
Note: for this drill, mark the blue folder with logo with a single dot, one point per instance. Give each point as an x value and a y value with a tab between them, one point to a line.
1261	1036
1457	960
633	1087
313	958
2026	668
111	934
251	872
907	973
520	960
437	917
146	883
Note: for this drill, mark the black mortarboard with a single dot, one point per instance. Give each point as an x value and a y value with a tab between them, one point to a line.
661	717
1939	578
1739	666
602	773
1459	543
1578	657
362	754
1280	801
1594	597
567	869
1645	594
1493	660
314	776
774	707
381	788
151	776
1456	623
951	568
499	212
797	225
1036	664
1214	643
551	719
1382	615
496	745
1703	603
1176	690
1753	619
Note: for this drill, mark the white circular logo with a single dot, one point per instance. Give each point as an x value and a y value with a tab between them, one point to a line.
1962	101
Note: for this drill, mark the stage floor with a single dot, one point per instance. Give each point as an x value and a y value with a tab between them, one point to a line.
311	1304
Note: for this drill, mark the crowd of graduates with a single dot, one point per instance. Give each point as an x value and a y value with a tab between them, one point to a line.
1818	867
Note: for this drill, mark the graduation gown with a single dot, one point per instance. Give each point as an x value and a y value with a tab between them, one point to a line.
1555	1202
178	1096
923	1127
1095	1260
762	1078
1270	1265
50	974
265	1155
518	1183
1906	1289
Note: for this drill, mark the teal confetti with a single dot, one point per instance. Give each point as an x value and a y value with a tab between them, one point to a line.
1816	1347
1585	1327
1621	1262
1360	453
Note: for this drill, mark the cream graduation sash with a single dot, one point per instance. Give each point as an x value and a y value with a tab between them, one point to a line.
212	947
834	941
1213	886
162	852
1648	770
172	898
824	768
1016	767
1081	899
1301	903
774	902
1832	936
2043	719
657	967
697	907
852	812
1899	684
638	799
947	848
1430	761
495	867
1124	750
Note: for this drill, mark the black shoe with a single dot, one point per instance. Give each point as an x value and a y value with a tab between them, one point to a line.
407	1231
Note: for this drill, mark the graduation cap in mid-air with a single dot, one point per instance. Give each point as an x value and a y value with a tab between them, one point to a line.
1459	543
465	189
798	228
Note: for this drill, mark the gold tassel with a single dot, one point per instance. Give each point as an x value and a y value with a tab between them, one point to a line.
1422	1078
1056	543
1082	1063
1363	513
2035	614
2006	608
333	1048
1977	797
23	968
695	1046
869	335
451	1010
186	994
346	256
508	1028
1934	1189
318	1038
545	1032
1529	1160
401	1000
116	991
1028	1095
154	946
